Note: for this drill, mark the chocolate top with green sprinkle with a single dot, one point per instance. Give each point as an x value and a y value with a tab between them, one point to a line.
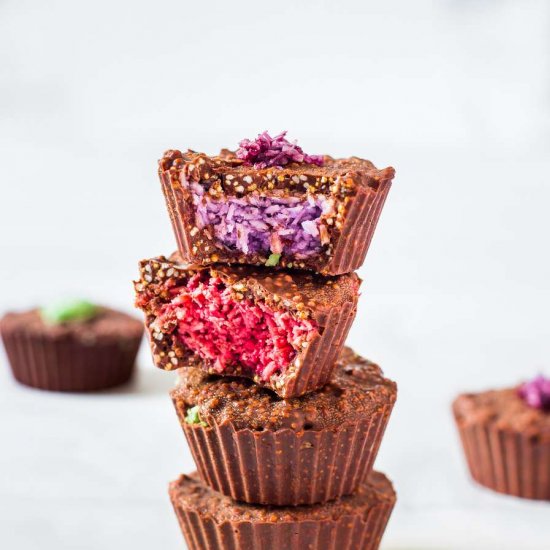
356	390
193	417
69	310
106	325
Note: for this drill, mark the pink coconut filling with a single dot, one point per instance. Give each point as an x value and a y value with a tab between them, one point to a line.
230	332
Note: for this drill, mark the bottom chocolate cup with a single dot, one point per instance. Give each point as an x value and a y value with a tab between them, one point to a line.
257	448
72	358
505	443
211	521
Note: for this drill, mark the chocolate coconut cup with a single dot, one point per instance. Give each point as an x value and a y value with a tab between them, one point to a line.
77	356
282	329
210	521
506	442
255	447
320	218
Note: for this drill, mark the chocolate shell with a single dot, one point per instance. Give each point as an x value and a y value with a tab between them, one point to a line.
328	304
506	443
79	356
349	194
210	521
255	447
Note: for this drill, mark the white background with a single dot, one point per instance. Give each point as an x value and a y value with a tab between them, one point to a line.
455	94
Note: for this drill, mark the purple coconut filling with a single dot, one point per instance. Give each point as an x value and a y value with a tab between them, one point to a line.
253	224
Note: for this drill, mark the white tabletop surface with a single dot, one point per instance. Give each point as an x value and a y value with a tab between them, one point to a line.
456	297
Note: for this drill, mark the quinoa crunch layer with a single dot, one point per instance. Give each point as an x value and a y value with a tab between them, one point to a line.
356	390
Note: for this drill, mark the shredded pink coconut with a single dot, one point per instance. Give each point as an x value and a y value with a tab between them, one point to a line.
266	151
230	332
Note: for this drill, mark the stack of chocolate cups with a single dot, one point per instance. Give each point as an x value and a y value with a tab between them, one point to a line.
283	421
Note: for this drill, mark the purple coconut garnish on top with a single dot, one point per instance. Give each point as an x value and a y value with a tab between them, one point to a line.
536	393
266	151
273	225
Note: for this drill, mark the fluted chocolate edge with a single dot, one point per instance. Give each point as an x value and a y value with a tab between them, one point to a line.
312	368
176	216
285	467
507	461
359	226
68	365
362	531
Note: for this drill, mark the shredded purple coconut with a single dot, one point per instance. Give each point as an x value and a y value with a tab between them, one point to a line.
536	393
266	151
262	225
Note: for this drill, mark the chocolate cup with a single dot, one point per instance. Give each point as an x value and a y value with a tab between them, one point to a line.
332	303
318	360
67	364
285	467
353	243
350	244
359	527
507	461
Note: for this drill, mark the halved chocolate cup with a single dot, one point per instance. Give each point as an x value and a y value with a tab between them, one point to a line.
283	329
301	216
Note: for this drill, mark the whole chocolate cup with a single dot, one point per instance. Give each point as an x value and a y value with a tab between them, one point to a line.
68	363
506	460
350	241
356	522
331	302
288	466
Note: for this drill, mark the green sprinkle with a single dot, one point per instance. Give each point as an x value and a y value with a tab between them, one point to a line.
273	260
193	417
68	310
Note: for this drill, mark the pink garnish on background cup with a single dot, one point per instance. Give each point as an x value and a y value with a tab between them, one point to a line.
536	393
266	151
